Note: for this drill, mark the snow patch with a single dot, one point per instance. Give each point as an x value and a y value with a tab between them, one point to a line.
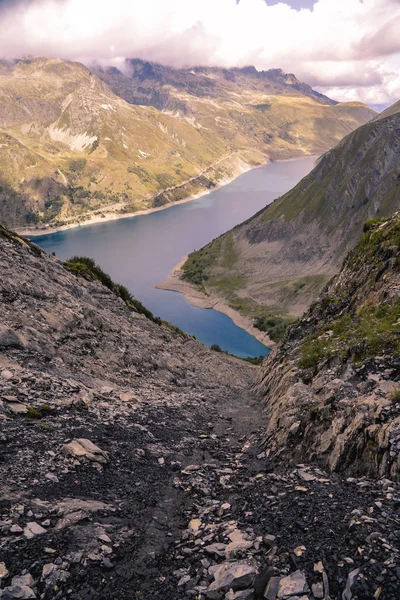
77	143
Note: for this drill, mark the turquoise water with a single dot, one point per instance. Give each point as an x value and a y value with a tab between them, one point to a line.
141	251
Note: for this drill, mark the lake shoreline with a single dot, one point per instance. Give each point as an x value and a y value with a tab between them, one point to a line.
113	216
32	232
195	297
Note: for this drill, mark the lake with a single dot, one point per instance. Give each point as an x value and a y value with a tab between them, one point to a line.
141	251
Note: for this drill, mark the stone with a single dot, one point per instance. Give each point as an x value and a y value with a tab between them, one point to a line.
195	525
103	537
351	579
317	590
3	571
299	551
238	543
16	529
48	570
293	585
83	448
33	529
269	540
236	576
23	580
18	409
240	595
19	592
271	590
215	549
6	374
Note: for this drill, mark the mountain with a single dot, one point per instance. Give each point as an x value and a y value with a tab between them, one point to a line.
270	111
131	463
72	150
274	265
332	388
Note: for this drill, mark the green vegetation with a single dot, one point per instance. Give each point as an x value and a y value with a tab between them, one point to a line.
362	328
216	348
33	413
395	397
199	261
275	326
83	266
86	267
45	408
369	332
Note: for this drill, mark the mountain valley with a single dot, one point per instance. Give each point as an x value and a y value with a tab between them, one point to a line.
72	150
273	266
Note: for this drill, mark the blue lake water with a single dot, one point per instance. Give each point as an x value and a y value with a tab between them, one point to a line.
141	251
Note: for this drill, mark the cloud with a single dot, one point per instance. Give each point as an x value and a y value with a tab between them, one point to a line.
348	48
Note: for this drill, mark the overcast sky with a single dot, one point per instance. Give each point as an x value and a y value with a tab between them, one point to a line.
349	49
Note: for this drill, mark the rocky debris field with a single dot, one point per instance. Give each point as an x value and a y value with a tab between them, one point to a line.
132	465
177	499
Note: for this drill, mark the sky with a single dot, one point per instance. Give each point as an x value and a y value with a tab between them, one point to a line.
347	49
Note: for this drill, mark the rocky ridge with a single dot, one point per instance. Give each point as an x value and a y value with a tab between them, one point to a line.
332	387
131	464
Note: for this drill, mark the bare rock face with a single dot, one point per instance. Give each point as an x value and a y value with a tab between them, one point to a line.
332	388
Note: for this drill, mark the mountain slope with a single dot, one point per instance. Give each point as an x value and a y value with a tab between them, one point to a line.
70	148
274	265
268	110
332	388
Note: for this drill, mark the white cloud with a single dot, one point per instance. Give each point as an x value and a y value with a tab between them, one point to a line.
348	48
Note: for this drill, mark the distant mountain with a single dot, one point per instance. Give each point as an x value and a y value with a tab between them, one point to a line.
274	265
71	149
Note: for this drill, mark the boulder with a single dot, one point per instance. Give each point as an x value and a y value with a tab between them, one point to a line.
33	529
293	585
82	448
233	575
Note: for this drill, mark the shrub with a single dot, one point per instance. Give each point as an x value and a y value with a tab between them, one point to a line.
33	413
216	348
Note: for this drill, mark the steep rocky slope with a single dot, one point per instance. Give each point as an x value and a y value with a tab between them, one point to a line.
70	148
332	388
276	263
131	463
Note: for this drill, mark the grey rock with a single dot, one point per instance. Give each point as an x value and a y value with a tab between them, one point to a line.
347	594
33	529
240	595
271	590
3	571
83	448
19	592
293	585
317	590
236	576
23	580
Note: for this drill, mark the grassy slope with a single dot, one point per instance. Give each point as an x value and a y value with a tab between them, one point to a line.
287	253
69	147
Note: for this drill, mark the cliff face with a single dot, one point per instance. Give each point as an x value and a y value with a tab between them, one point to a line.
332	388
280	259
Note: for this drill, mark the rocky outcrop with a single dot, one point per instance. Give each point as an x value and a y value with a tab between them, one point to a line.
332	388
